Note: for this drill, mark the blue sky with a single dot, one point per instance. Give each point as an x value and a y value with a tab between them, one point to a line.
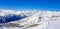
30	4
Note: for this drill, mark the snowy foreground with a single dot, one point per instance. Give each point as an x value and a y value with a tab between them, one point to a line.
34	20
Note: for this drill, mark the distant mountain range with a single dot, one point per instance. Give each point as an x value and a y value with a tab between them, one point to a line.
27	19
13	15
9	18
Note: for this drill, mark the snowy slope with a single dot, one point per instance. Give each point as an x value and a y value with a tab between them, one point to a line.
33	20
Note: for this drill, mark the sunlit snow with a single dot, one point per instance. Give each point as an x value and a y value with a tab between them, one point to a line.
36	19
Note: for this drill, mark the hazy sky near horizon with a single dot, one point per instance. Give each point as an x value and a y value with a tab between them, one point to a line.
31	4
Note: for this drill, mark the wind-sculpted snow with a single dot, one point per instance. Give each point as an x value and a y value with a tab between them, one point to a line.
13	19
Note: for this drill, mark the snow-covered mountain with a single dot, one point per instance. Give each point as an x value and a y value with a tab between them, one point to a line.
14	19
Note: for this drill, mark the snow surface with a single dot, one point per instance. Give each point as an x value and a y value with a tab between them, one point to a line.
33	20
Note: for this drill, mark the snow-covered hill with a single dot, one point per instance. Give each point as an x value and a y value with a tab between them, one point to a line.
12	19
